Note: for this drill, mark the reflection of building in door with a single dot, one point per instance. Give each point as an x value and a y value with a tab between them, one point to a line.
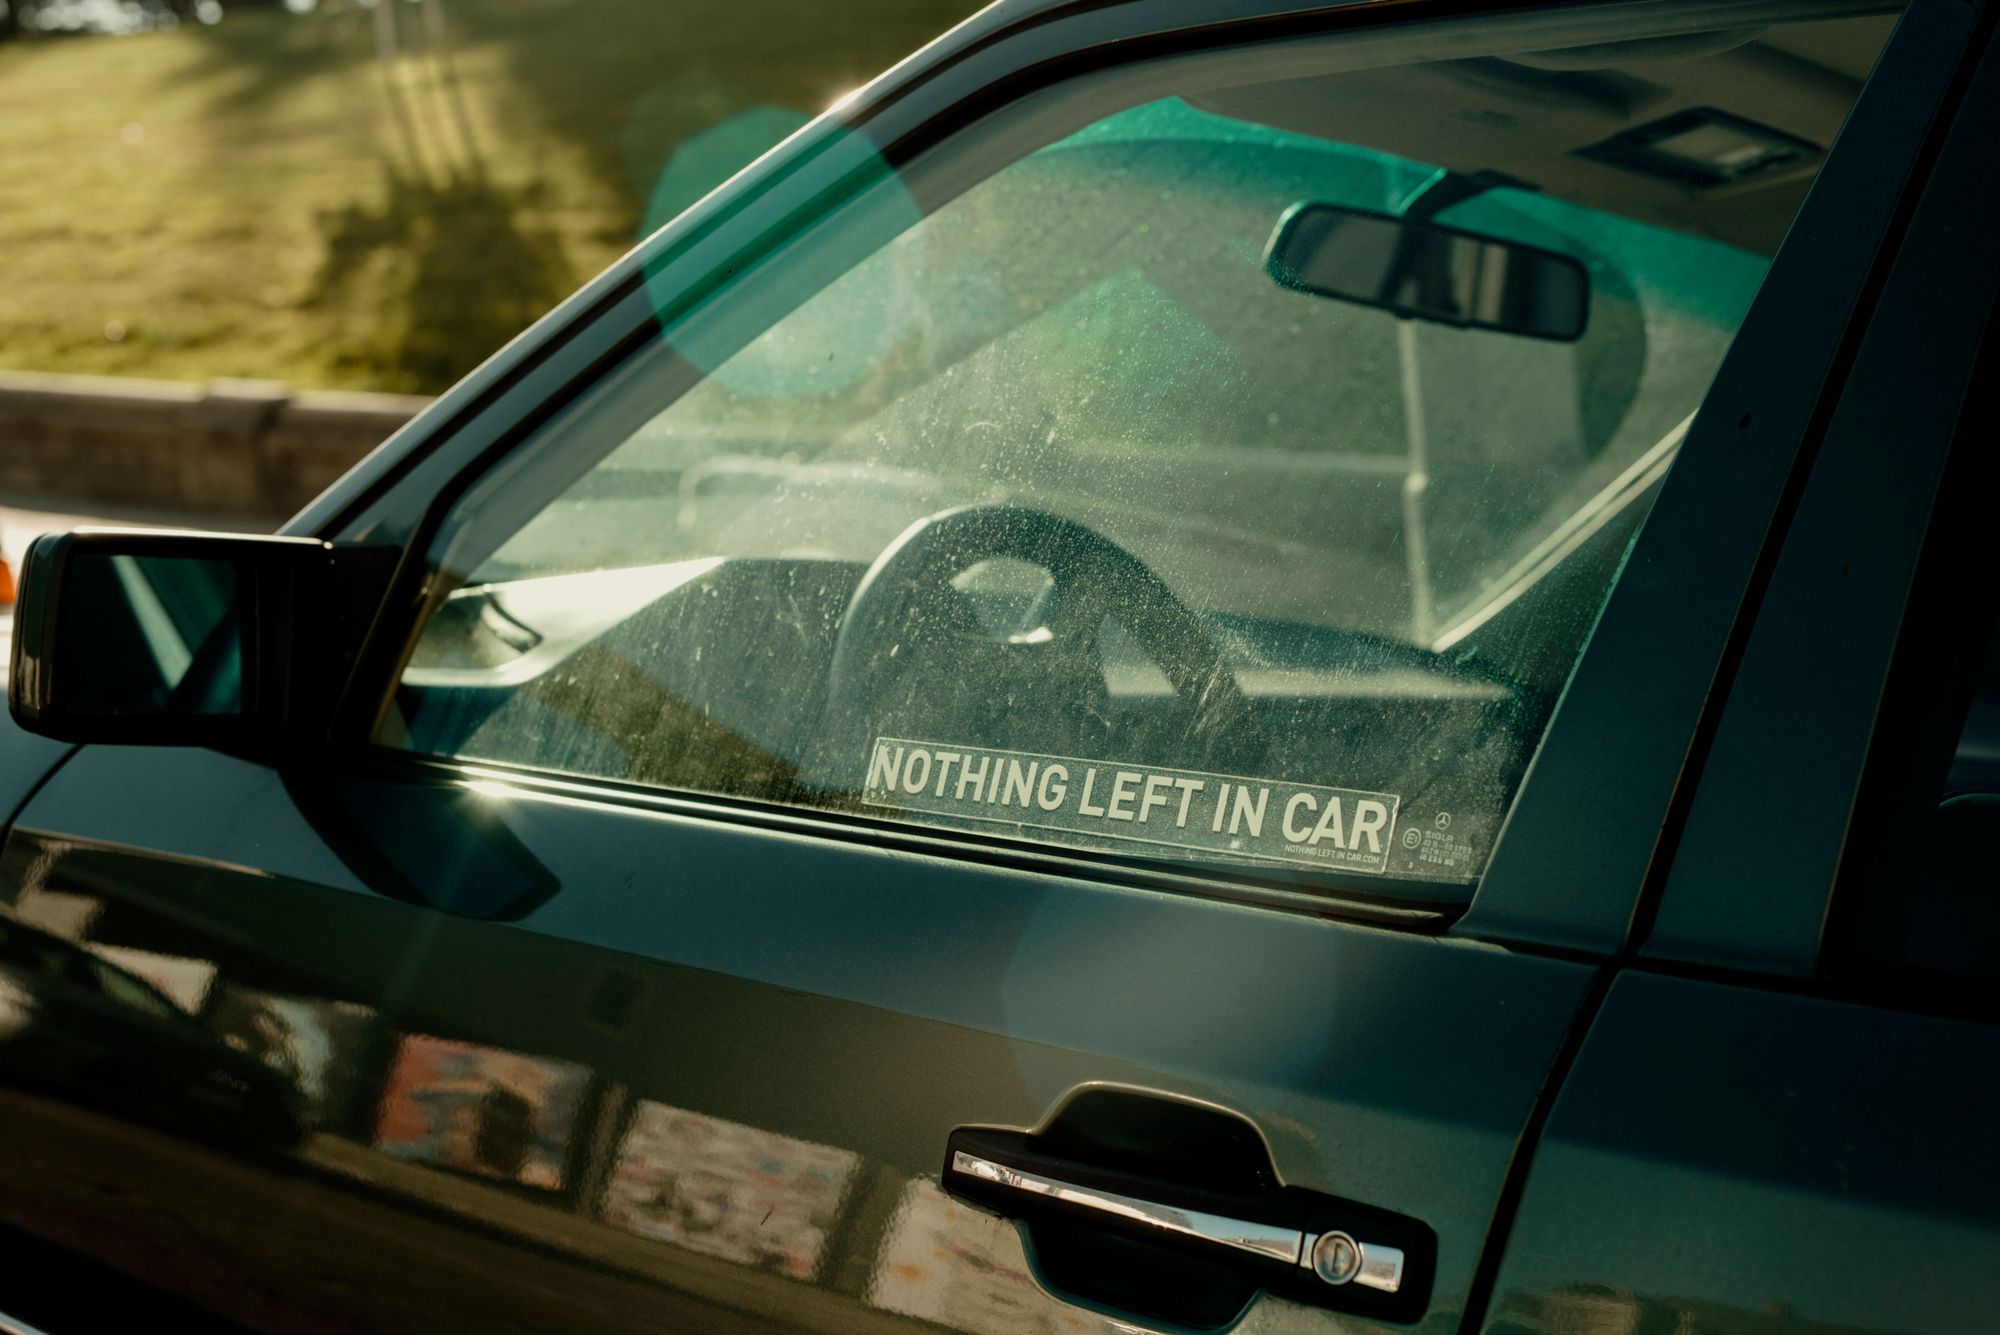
946	1262
481	1110
314	1042
749	1196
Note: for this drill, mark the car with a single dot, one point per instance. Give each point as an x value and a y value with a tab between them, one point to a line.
81	1029
1196	665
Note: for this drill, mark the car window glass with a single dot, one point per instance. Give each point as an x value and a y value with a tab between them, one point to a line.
1915	911
1959	909
1917	904
1068	514
1975	767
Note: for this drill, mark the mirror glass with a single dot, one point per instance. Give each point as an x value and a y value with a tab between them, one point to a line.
1424	272
161	637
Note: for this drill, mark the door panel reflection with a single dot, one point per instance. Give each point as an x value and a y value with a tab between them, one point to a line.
947	1262
585	1067
316	1044
726	1190
481	1110
319	1101
369	1149
77	1025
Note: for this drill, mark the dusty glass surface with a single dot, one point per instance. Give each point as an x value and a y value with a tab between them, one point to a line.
1056	517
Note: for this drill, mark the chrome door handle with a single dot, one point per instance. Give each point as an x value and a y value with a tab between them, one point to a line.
1336	1257
1268	1240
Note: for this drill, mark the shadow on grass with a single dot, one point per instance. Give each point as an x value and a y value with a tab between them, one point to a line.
424	277
266	54
434	279
624	81
628	81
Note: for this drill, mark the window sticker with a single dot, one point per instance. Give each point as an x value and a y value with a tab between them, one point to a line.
1341	828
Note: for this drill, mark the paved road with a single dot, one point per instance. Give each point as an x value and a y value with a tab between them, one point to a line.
21	524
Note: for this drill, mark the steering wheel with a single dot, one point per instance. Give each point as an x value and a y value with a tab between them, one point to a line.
909	648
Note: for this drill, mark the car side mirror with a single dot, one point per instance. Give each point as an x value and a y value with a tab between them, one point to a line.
1420	271
142	636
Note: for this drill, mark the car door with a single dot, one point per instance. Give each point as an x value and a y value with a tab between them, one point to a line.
617	978
1798	1076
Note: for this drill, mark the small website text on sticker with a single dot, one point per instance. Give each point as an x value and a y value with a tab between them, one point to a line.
1230	814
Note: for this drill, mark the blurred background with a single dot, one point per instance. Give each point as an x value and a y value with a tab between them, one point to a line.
374	194
244	240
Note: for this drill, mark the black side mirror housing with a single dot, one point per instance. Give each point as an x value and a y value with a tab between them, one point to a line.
170	638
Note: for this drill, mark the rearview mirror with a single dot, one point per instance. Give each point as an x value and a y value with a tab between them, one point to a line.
1420	271
171	638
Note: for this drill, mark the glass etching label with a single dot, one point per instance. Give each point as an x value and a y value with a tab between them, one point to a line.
1267	819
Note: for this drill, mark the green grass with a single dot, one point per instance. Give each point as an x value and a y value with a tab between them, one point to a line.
267	198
